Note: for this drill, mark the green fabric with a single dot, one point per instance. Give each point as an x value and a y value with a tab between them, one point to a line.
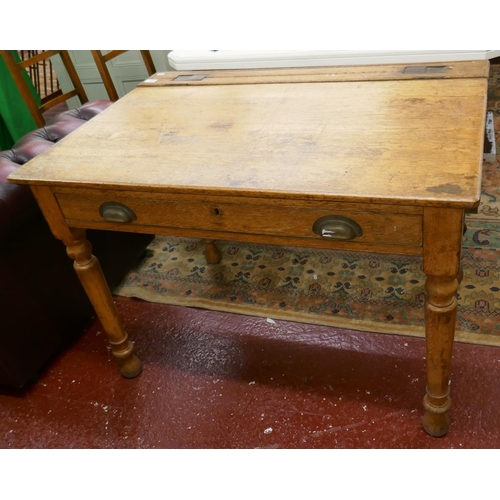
15	118
6	140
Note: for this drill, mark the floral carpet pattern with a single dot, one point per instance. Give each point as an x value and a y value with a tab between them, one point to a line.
370	292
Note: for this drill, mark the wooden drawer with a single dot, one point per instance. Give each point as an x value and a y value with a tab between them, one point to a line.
262	218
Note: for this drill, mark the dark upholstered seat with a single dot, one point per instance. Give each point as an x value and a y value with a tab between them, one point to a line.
43	305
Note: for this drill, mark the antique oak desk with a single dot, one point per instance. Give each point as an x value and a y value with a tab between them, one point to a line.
375	158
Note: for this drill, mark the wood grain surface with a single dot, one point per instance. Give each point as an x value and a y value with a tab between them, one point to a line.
409	141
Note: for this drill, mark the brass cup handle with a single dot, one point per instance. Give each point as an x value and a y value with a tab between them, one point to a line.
112	211
337	227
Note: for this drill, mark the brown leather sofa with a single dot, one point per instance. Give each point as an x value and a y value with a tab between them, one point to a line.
43	305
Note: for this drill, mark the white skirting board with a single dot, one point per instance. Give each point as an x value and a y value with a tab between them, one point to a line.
248	59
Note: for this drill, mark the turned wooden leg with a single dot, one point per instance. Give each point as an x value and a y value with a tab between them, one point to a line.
442	249
212	253
89	271
440	318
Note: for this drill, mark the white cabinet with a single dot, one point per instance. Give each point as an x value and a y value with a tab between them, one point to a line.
239	59
127	71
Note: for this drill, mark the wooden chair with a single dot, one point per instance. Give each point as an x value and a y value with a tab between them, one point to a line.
17	69
101	61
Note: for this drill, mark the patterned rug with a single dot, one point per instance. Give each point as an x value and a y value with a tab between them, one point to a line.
368	292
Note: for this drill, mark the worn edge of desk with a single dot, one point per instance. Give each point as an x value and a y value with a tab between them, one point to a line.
268	196
461	69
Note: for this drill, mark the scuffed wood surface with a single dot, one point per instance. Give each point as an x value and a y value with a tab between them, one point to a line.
398	142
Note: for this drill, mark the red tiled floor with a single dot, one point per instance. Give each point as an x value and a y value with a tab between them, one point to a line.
216	380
